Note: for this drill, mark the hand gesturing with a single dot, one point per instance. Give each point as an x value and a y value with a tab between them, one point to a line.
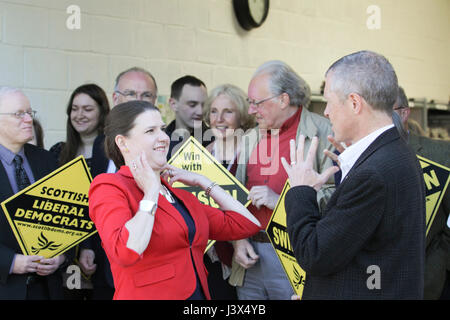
300	171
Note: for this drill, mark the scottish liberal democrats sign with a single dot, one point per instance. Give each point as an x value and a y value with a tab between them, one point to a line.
52	215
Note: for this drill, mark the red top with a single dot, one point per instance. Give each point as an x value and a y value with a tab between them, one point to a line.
165	269
264	166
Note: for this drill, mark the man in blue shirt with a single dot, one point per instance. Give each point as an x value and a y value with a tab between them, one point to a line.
22	277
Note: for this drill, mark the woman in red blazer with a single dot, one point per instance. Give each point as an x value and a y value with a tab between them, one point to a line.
154	235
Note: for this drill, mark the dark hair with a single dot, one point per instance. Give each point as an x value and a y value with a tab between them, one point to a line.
399	125
73	139
120	121
177	85
39	133
402	100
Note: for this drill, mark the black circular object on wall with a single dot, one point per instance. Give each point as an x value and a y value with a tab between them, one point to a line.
251	13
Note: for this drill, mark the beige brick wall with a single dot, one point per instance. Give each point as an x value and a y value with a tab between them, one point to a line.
173	37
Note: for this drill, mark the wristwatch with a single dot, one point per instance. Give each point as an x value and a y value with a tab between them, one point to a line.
148	206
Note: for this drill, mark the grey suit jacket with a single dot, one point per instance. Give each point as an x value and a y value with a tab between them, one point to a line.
376	217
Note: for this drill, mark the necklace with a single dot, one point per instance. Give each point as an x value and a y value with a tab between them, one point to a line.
167	194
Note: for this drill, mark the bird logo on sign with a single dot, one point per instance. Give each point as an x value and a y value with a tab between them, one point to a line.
44	244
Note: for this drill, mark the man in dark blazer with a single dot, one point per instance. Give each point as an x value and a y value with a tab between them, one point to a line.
437	257
22	277
369	243
437	251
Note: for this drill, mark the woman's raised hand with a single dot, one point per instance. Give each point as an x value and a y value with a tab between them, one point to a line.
144	175
173	174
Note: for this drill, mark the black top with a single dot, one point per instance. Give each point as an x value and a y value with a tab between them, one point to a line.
175	139
198	294
57	148
97	164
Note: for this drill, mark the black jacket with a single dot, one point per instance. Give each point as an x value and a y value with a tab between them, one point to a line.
376	217
178	138
437	253
13	286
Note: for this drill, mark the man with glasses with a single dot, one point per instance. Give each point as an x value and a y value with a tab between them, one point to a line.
22	277
187	97
437	252
401	107
132	84
135	84
278	98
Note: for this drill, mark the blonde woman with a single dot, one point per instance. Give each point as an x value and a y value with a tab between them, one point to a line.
226	112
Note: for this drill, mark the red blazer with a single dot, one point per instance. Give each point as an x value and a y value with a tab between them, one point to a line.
165	269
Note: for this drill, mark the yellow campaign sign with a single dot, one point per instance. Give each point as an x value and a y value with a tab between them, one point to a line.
192	156
277	232
52	215
437	178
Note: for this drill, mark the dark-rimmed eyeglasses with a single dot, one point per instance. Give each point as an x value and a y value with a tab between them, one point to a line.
21	114
133	95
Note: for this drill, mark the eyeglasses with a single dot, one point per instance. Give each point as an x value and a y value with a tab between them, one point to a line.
257	103
133	95
399	108
21	114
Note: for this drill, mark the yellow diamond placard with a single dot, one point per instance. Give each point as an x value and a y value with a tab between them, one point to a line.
52	215
277	232
437	178
192	156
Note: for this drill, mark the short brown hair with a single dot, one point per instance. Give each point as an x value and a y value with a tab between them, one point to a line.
120	121
177	86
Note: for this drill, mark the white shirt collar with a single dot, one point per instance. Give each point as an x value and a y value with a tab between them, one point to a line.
351	154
